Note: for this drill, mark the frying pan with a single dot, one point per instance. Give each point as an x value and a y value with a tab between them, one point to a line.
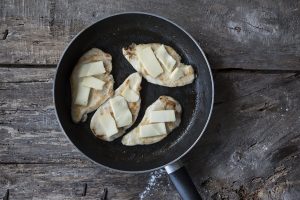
111	34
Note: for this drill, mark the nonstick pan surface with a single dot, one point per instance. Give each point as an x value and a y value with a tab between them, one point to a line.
110	35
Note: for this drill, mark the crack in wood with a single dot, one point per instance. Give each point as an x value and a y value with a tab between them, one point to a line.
34	163
36	42
104	194
84	189
266	106
6	196
17	110
52	17
25	66
236	28
260	71
295	75
257	27
33	81
252	145
5	34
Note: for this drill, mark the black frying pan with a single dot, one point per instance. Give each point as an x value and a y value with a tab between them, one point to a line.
111	34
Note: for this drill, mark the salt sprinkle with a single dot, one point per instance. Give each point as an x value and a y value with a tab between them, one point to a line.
152	183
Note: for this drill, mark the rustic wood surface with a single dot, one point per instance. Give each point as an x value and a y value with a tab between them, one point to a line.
235	34
251	148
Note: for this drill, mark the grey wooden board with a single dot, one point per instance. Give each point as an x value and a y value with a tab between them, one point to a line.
234	34
44	181
250	149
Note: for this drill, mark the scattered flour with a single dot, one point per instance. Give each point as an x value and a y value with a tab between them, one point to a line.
152	184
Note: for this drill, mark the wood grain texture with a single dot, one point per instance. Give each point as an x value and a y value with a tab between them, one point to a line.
44	181
251	148
234	34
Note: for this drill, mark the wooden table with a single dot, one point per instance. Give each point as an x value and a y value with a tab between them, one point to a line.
251	148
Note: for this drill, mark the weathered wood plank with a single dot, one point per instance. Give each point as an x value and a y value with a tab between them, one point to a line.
27	117
44	181
251	147
235	34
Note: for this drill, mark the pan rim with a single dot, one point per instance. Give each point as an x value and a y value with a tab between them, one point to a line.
208	66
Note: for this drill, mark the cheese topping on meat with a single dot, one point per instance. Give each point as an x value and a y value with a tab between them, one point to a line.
91	83
124	112
149	133
163	68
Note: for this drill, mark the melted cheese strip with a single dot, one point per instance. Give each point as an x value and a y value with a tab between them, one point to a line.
176	74
90	69
121	111
93	82
130	95
162	116
149	61
82	97
151	130
108	124
165	58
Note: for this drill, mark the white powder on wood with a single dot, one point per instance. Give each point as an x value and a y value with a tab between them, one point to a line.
152	183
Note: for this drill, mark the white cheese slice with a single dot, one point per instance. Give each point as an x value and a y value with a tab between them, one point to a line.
165	58
92	82
134	81
121	111
149	61
162	116
82	97
151	130
90	69
176	74
108	124
130	95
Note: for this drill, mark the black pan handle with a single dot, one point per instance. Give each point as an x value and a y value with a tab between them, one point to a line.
182	181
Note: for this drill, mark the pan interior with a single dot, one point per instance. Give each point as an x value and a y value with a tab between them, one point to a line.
110	35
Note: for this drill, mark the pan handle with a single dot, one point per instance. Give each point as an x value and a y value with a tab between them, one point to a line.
182	181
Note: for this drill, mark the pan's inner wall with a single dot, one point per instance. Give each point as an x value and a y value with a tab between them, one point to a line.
111	35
